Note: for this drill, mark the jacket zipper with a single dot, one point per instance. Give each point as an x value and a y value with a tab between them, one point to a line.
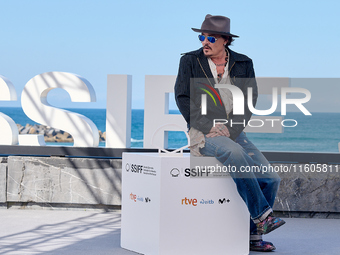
206	76
229	73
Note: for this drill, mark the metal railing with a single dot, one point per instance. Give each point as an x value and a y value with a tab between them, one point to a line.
102	152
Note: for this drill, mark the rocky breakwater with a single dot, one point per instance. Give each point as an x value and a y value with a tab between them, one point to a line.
52	135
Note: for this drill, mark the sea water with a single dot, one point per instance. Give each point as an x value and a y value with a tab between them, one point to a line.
317	133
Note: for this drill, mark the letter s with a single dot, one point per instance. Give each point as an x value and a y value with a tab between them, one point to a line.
34	104
187	172
9	131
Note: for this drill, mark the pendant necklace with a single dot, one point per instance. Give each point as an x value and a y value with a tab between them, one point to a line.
220	75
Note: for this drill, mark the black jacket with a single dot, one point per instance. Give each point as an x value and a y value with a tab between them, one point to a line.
188	90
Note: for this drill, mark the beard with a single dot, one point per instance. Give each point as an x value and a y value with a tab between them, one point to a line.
209	53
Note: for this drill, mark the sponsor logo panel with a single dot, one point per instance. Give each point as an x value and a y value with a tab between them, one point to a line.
199	172
136	198
202	201
140	169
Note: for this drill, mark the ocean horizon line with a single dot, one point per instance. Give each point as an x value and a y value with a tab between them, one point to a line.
142	109
312	134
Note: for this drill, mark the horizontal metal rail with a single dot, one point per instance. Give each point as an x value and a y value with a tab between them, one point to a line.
102	152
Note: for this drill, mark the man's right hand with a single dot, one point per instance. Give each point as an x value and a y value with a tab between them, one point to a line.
218	130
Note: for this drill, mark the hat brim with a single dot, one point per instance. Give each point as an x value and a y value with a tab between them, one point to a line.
213	32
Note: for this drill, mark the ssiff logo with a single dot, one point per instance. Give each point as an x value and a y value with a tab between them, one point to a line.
134	168
174	172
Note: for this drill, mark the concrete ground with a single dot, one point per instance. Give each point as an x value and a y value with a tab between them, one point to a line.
96	232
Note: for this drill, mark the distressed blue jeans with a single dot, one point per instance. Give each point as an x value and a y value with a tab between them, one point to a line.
257	188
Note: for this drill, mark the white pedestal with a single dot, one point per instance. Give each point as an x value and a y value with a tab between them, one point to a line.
166	212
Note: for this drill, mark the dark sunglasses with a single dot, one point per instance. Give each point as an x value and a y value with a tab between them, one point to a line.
209	38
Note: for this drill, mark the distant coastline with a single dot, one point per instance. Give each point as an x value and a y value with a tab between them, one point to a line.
52	135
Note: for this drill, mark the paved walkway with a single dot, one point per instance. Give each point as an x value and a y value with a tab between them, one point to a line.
95	232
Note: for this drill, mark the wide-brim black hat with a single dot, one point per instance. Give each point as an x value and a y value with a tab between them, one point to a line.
215	25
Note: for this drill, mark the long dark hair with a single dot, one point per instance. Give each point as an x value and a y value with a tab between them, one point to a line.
229	40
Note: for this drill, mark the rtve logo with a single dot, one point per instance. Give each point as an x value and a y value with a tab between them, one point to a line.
186	201
133	197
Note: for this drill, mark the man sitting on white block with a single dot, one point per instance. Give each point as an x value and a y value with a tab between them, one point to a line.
209	107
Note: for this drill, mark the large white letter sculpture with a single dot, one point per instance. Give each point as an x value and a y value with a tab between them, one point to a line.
118	111
156	111
35	105
9	131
